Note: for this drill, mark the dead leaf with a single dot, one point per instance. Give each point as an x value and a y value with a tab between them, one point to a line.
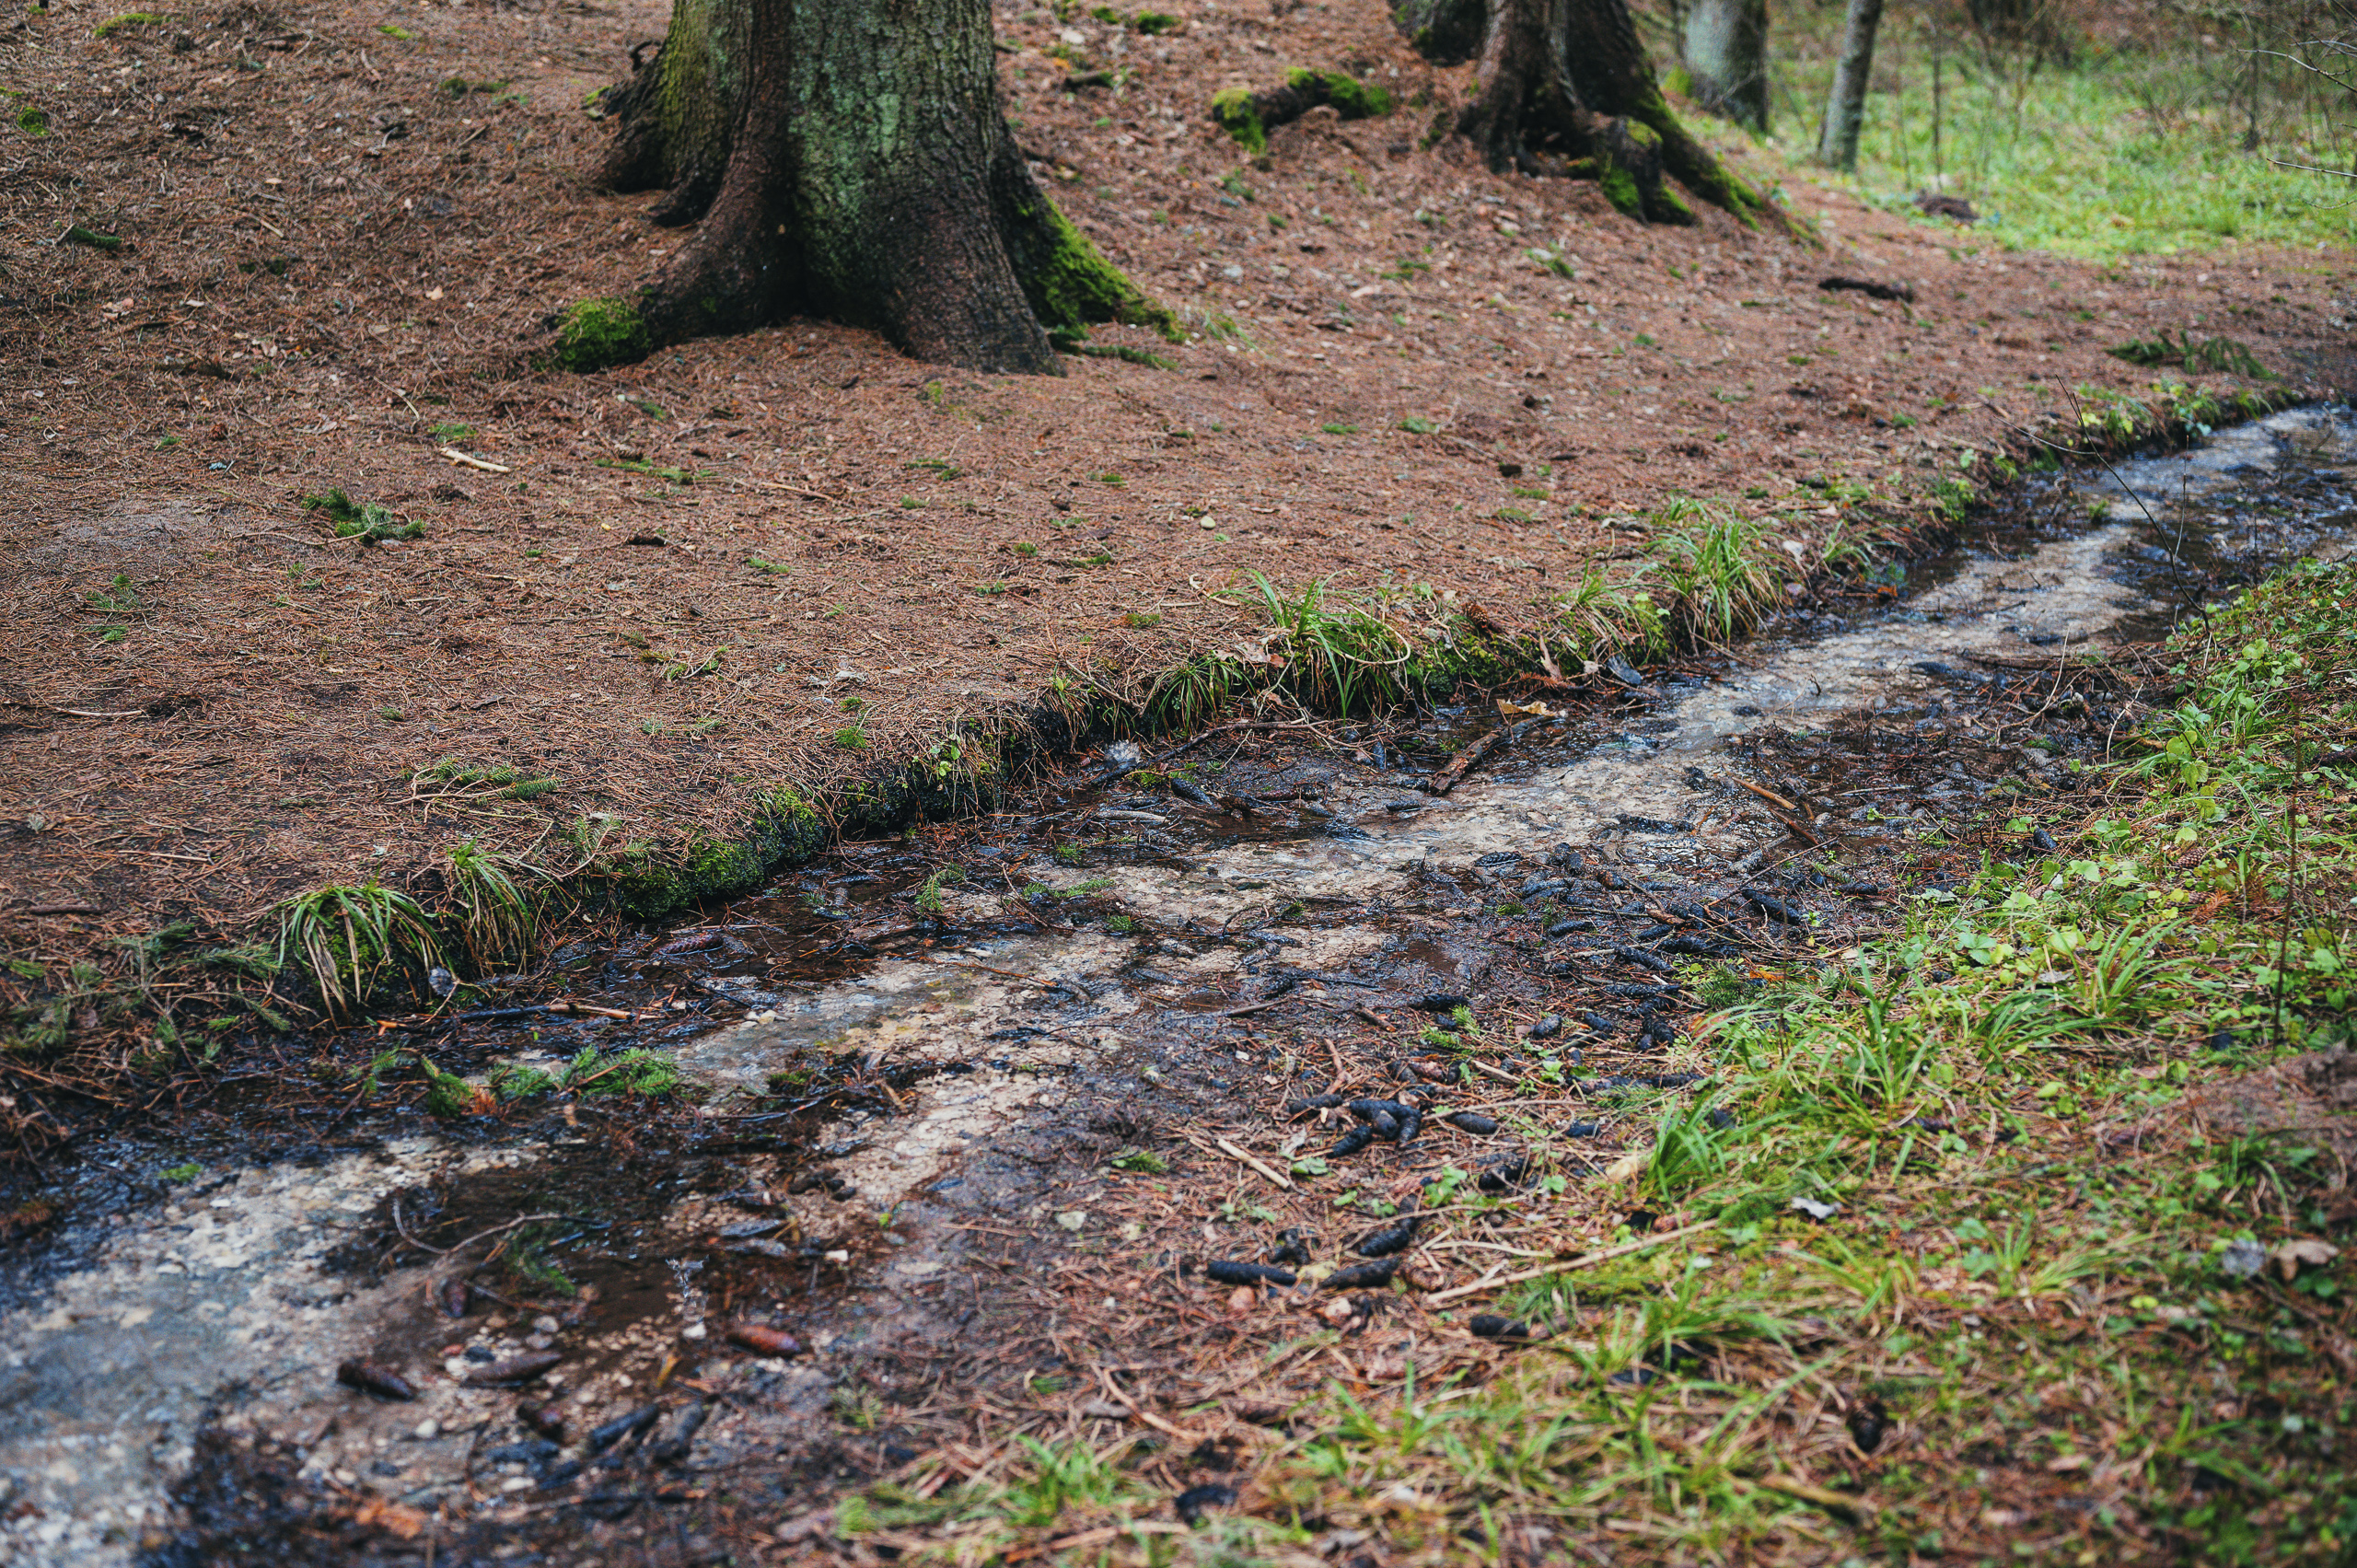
2289	1256
378	1513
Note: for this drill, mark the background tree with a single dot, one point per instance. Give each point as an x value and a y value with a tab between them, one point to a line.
1845	109
1565	88
1726	53
846	159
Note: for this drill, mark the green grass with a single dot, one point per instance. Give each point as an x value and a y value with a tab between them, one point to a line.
496	918
2125	154
347	938
2024	1272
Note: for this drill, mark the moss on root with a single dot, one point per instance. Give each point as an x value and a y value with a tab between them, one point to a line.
1070	284
1350	98
597	334
783	828
1234	113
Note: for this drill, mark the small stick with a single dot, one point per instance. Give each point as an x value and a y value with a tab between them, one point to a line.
1584	1260
1232	1152
1769	794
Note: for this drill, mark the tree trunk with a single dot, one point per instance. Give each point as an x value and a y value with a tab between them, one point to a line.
847	158
1845	111
1726	50
1565	88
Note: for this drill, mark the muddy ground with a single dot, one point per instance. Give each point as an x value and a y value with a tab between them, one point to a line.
976	1111
784	558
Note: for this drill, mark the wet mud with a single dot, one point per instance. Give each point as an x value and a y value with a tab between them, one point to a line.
608	1320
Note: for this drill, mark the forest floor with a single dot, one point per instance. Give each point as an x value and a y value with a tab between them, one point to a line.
343	235
1950	1191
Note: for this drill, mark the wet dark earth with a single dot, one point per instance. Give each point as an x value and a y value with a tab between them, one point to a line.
970	1108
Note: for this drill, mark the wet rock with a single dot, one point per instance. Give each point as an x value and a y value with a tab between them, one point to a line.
762	1339
372	1378
1650	824
533	1451
1191	1503
1621	670
545	1420
1505	1175
1868	1424
605	1435
1492	1325
456	1296
515	1369
1363	1276
1228	1272
1471	1121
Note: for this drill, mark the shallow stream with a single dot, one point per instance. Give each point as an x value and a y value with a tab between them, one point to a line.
1118	923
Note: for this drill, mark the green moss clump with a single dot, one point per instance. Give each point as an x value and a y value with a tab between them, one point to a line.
1350	98
114	24
597	334
1619	187
1070	284
33	122
783	828
1234	113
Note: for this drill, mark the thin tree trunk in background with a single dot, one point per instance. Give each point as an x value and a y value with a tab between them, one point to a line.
1726	50
1845	111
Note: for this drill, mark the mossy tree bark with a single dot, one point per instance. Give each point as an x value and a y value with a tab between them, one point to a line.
846	159
1567	89
1726	50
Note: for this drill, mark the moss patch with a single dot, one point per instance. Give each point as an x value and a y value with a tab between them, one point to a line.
1234	113
1070	283
597	334
1350	98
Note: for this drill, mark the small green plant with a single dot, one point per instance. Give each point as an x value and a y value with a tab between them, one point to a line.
496	919
2227	356
1416	424
368	522
929	900
768	568
118	598
180	1174
1340	429
448	432
394	29
347	937
852	737
32	122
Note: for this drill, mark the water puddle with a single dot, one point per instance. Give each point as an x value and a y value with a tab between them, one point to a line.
1123	924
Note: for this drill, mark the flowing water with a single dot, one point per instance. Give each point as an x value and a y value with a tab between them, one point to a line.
231	1297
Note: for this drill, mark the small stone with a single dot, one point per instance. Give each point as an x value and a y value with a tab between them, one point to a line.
1241	1299
427	1429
